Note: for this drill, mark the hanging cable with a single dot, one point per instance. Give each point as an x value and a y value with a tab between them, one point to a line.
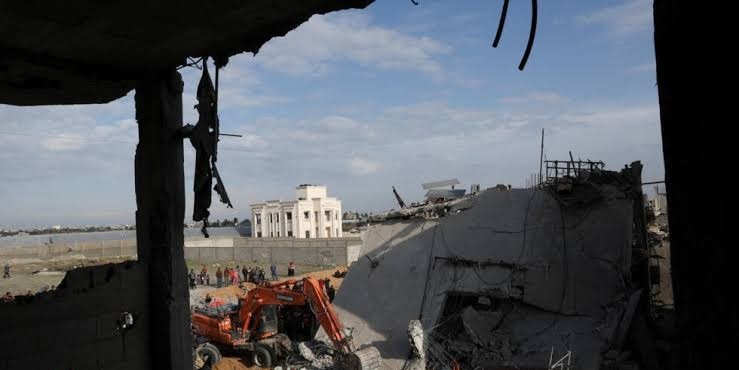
532	34
501	23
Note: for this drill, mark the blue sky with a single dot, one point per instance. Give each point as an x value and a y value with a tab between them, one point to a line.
395	94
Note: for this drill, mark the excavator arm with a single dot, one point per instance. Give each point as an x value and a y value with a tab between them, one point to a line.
311	293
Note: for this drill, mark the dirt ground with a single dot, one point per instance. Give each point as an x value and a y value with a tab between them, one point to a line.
37	275
34	276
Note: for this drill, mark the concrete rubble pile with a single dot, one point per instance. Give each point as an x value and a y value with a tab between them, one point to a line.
507	278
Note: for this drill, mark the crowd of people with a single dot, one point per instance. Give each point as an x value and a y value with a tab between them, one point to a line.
236	275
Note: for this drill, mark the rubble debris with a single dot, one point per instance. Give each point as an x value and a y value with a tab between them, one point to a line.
515	260
312	355
479	326
418	345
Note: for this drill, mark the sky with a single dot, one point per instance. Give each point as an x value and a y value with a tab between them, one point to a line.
363	100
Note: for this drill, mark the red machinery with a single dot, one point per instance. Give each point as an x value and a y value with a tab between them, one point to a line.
250	328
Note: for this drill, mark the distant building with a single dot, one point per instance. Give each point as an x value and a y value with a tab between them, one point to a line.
659	202
312	215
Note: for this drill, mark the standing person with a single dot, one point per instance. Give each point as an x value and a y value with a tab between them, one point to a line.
227	276
291	269
219	276
203	272
245	273
235	277
273	270
238	274
6	271
192	278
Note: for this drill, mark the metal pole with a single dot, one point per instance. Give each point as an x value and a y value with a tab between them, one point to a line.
541	154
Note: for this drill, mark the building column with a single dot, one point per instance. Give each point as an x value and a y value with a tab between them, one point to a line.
296	222
160	215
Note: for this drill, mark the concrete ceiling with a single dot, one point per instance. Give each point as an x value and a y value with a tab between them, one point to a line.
91	51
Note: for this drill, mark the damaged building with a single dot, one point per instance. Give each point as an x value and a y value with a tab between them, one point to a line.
538	263
515	278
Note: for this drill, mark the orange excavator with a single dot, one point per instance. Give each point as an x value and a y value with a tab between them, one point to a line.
251	328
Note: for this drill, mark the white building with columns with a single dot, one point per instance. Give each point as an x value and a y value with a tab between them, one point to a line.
312	215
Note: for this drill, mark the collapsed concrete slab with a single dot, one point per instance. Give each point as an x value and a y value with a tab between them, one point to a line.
555	276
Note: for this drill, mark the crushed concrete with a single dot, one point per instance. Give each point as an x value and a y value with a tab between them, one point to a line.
524	246
306	352
317	355
479	326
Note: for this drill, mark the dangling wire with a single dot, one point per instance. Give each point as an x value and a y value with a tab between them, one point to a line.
501	23
532	34
192	63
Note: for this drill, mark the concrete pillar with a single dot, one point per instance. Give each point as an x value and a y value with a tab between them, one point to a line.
160	201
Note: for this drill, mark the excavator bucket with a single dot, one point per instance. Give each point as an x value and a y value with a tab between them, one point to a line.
365	359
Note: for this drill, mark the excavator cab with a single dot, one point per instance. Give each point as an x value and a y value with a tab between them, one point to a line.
267	324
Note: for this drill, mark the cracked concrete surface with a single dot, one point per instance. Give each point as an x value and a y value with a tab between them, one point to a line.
565	268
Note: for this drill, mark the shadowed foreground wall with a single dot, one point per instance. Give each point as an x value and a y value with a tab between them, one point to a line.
75	327
696	113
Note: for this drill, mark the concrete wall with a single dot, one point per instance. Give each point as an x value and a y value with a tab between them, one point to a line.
325	251
75	326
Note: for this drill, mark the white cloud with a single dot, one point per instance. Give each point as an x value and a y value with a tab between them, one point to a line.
325	39
639	115
64	142
630	17
360	166
338	123
642	68
536	97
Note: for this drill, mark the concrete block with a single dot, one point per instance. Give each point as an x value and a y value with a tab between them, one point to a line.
207	254
223	242
317	243
327	256
243	254
224	254
262	255
306	255
241	242
336	243
192	254
283	255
